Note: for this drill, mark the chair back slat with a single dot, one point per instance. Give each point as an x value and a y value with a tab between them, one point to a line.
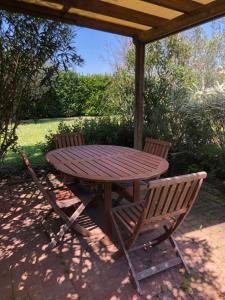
161	203
172	196
176	197
184	193
157	147
168	198
153	201
191	192
68	139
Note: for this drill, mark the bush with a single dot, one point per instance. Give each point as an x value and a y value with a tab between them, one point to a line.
102	130
73	95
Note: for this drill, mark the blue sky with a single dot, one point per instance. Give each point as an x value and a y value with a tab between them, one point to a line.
96	47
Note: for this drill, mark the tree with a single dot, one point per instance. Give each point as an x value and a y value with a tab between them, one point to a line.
32	50
168	78
207	58
120	94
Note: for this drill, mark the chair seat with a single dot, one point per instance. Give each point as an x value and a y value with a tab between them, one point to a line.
65	197
129	215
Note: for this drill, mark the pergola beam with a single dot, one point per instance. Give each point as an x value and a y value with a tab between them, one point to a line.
115	11
73	19
207	12
185	6
139	93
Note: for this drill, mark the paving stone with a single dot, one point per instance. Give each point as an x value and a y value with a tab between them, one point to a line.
79	269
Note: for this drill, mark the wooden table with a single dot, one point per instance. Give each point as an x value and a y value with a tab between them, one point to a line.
107	164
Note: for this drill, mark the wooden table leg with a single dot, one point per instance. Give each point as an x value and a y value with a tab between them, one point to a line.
108	205
136	190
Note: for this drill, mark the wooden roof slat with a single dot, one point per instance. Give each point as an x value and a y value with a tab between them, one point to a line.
149	8
210	11
56	15
185	6
204	1
114	11
145	20
105	18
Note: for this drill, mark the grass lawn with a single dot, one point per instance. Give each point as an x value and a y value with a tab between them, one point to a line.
30	135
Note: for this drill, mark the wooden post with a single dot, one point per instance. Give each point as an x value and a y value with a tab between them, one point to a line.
139	93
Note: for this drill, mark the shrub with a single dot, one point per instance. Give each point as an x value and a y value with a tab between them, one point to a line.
102	130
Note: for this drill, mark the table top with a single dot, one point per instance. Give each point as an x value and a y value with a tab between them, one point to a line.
106	163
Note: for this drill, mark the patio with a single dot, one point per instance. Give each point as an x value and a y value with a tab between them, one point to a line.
80	269
84	268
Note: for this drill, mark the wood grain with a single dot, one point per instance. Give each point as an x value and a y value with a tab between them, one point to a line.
107	163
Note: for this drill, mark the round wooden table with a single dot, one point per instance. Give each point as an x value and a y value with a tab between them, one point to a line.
108	164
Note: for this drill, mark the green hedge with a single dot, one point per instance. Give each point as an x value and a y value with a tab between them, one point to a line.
102	130
72	95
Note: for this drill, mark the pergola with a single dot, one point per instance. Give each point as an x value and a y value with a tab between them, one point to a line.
143	20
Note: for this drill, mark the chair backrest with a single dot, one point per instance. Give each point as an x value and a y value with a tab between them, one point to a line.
69	139
157	147
171	197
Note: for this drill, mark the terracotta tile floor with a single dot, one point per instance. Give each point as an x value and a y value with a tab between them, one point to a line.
80	269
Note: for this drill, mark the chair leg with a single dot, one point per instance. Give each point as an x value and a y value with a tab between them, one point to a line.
71	220
127	256
155	269
178	252
57	238
51	235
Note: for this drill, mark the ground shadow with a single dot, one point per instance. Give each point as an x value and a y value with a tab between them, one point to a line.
84	269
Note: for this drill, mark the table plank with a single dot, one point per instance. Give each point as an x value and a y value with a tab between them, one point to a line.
107	163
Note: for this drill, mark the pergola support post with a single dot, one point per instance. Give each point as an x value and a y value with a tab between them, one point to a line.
139	93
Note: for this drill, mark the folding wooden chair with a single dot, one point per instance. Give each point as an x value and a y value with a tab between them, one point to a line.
157	147
63	140
166	204
60	198
152	146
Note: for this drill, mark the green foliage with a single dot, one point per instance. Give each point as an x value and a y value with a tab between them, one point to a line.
195	128
207	58
31	137
102	130
191	120
215	110
31	52
168	81
74	95
66	96
211	159
184	92
120	94
92	93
